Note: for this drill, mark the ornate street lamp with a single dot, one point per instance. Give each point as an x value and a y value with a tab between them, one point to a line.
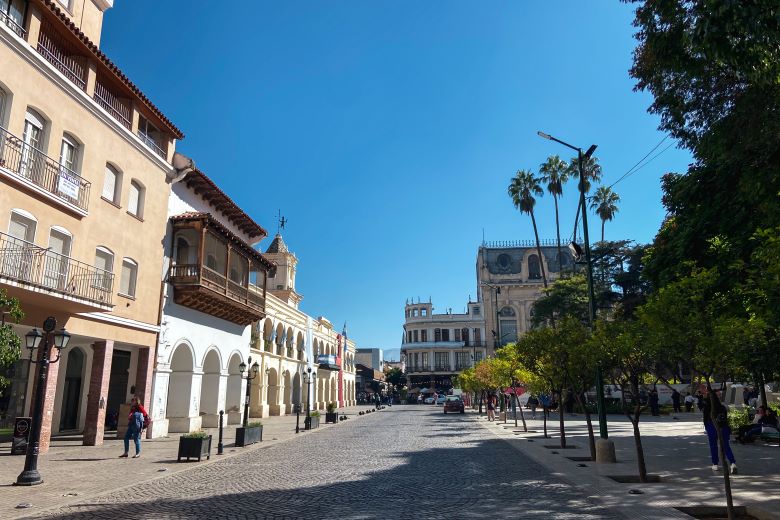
30	475
308	377
255	368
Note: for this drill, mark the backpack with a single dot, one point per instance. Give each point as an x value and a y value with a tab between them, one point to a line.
147	420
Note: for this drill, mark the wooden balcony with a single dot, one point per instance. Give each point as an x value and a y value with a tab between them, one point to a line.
200	288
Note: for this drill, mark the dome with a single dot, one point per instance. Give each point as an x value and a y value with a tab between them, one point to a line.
278	245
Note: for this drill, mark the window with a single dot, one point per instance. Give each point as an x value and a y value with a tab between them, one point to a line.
465	335
425	364
534	268
441	360
462	360
477	356
129	275
477	335
457	334
445	334
414	313
436	334
22	226
69	152
423	312
31	165
13	14
182	251
475	311
409	336
55	269
65	4
216	253
104	261
135	203
112	180
416	336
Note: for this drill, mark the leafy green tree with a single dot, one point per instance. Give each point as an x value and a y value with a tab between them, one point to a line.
523	190
604	203
555	173
394	376
564	297
10	342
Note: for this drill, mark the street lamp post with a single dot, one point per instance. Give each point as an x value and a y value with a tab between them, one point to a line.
252	374
308	378
30	476
605	452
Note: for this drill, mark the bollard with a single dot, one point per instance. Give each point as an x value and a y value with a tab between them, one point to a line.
220	446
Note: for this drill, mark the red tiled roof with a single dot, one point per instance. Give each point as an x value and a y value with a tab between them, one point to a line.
54	8
202	185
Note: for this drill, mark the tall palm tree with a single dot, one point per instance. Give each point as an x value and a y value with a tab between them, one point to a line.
590	166
555	173
604	203
523	187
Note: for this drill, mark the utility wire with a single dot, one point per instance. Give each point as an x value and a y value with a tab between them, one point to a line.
635	168
645	164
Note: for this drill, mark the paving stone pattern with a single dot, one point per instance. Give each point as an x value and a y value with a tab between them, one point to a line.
401	463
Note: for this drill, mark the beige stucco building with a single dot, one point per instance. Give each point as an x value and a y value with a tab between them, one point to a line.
85	160
289	343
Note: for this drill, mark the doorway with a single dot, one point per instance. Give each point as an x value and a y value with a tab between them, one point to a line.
117	386
71	394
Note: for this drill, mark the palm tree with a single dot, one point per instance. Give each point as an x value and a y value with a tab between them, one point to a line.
555	173
522	189
604	203
591	168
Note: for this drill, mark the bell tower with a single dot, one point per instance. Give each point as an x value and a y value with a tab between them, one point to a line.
282	283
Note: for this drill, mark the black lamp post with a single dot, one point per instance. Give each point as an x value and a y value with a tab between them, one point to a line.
30	475
308	377
249	377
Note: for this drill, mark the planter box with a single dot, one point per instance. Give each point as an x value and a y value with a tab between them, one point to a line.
194	448
247	436
331	417
311	422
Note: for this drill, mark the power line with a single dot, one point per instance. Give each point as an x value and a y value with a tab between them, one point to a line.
634	167
648	161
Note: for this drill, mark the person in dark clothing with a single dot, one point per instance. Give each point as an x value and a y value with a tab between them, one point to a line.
721	422
699	400
569	402
653	402
676	401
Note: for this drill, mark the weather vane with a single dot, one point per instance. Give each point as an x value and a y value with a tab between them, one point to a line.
282	222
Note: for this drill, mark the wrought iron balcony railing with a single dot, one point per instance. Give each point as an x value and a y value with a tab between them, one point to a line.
151	143
28	264
14	24
61	54
34	166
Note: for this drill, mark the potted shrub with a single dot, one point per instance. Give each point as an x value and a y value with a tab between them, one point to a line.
330	414
312	421
195	444
252	433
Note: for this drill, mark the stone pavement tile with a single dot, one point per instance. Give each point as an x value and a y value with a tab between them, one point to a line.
405	463
72	472
675	449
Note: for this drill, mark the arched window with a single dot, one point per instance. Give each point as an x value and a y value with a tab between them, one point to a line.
507	326
129	276
70	152
104	261
112	184
135	202
534	268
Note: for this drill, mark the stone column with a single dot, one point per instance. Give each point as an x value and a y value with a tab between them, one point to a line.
94	426
49	396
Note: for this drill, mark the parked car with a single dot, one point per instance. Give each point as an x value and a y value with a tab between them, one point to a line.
441	399
429	400
453	403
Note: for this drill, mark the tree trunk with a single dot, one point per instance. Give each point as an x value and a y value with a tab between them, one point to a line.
722	451
561	425
591	437
539	250
558	234
640	452
602	229
545	410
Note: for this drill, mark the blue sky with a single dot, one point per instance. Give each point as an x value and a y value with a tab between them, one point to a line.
387	131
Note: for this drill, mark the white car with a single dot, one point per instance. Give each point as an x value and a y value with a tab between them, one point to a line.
429	400
440	400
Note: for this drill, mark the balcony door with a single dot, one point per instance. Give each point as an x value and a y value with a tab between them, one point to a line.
19	254
55	272
32	140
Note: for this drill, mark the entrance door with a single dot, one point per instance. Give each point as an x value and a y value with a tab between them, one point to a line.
71	395
117	386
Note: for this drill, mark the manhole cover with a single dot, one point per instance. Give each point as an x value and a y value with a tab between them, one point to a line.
23	506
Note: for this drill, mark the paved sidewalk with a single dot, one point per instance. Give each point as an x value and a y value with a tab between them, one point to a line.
677	450
74	472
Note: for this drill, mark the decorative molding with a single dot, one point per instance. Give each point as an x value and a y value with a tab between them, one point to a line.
118	320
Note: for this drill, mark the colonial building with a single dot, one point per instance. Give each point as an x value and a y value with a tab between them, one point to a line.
288	343
213	290
84	167
509	281
437	347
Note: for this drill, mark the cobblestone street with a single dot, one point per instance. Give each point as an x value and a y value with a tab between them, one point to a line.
404	462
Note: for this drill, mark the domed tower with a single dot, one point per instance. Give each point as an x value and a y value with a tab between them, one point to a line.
282	283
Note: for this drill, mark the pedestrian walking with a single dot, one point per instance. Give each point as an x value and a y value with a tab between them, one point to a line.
711	427
689	400
491	407
699	400
676	401
653	401
533	402
137	420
